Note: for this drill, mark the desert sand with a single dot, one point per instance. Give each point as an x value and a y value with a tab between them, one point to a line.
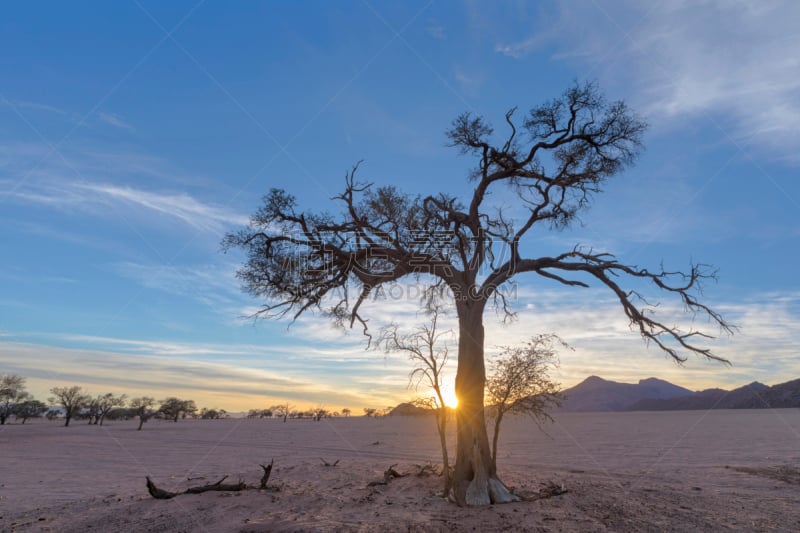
667	471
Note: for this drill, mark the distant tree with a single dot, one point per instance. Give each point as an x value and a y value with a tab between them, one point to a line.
91	410
143	408
28	408
121	413
319	412
72	399
175	408
547	166
212	414
519	382
346	411
428	350
282	410
12	390
370	411
259	413
108	402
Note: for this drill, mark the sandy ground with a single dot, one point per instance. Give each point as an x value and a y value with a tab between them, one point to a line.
667	471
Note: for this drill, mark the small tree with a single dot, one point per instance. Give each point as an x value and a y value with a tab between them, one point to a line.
370	411
519	382
28	408
346	411
212	413
106	403
143	407
282	410
12	390
320	412
175	408
91	410
72	399
427	350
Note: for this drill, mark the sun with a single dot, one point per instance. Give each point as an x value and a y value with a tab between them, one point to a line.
450	398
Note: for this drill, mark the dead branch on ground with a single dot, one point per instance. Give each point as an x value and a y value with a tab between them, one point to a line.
388	474
161	494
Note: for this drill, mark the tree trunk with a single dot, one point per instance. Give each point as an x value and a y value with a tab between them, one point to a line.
496	433
441	422
141	421
66	421
475	479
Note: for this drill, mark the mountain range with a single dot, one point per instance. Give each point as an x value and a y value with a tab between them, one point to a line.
653	394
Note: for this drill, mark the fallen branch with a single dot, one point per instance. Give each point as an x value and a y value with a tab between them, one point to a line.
161	494
552	489
326	463
388	475
427	470
234	487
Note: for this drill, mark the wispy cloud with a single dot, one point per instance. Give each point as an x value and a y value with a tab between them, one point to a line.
332	368
436	30
37	106
736	62
105	199
181	206
114	120
241	376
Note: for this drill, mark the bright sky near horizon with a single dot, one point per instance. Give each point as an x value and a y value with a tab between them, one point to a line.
133	135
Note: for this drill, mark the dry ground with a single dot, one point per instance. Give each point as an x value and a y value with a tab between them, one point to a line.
673	471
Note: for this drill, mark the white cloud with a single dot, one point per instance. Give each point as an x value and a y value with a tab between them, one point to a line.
331	368
181	206
106	199
436	31
735	63
114	120
36	106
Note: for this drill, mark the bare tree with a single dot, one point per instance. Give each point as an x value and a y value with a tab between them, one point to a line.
554	160
107	402
143	407
428	350
282	410
12	390
72	399
519	382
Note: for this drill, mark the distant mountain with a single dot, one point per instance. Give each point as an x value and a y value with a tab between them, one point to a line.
598	394
753	396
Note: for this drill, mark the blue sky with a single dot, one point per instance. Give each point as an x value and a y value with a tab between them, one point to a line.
133	135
